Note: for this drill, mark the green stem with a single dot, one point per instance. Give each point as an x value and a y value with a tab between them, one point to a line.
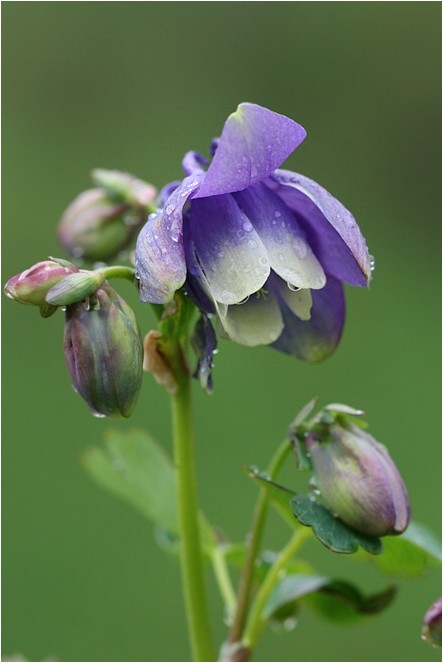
190	548
223	579
254	540
118	272
256	621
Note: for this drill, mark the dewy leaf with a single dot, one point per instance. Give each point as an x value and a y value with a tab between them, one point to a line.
132	466
331	531
411	553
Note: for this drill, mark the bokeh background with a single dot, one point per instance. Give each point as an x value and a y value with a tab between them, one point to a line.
134	85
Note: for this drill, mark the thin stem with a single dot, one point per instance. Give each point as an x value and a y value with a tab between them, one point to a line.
190	548
223	579
254	540
256	621
118	272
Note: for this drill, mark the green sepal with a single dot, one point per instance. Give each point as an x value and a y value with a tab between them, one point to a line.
279	495
331	531
74	288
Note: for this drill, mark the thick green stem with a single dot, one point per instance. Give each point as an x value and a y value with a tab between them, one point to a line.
254	540
190	548
256	621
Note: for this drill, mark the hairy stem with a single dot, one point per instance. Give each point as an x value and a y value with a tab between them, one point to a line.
190	548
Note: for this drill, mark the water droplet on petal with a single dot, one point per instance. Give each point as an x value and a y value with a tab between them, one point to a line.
243	301
63	308
247	225
371	263
293	287
8	294
169	209
98	415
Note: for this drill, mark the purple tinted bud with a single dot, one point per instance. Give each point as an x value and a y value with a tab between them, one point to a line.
431	631
95	227
358	480
104	354
124	187
32	285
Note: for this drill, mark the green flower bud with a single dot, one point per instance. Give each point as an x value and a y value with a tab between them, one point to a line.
104	353
32	285
101	222
358	480
74	288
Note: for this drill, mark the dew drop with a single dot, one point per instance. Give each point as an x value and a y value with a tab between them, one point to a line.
98	415
289	624
8	294
63	308
169	209
263	261
215	351
243	301
371	263
137	276
294	288
247	226
277	214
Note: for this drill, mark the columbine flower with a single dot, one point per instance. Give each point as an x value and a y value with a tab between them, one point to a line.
358	480
266	250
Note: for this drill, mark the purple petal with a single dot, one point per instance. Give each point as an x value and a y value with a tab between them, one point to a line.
289	254
159	254
331	229
229	251
255	141
316	338
194	163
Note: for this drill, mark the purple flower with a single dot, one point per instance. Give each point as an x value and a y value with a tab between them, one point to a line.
266	250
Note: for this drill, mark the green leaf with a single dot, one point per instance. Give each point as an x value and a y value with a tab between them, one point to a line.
133	467
411	553
331	531
337	600
289	590
340	601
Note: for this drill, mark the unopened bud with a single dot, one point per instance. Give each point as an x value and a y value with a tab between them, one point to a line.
104	353
358	480
74	288
101	222
124	187
431	631
32	285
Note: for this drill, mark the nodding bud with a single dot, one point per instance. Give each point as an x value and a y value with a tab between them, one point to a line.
358	480
101	222
104	353
32	285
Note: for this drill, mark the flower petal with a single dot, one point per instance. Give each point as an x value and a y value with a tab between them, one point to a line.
256	322
159	254
228	249
254	142
290	256
316	338
331	229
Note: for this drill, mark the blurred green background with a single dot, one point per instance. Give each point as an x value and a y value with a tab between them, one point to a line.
134	85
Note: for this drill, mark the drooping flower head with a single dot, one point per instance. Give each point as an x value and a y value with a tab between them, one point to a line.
264	249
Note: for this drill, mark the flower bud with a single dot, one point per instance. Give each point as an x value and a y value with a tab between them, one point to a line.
74	288
358	481
102	221
104	353
32	285
124	188
431	631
